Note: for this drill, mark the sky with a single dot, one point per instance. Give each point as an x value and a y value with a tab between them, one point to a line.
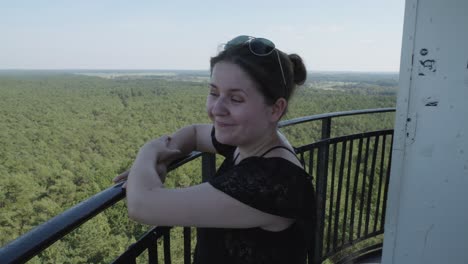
334	35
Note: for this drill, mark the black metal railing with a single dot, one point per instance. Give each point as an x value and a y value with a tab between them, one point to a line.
350	173
351	192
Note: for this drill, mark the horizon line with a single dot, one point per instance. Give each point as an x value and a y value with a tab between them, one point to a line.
168	70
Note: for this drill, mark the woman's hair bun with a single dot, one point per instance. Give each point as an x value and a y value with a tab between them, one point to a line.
299	70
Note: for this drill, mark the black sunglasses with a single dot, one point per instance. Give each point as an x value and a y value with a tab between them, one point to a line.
258	46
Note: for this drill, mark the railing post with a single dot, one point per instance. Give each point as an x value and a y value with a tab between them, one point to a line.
321	187
326	128
208	170
187	245
208	166
321	184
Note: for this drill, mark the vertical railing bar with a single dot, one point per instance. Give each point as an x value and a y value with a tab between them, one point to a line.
167	247
338	193
187	245
301	158
386	184
310	253
208	170
322	175
322	171
382	159
310	257
208	166
345	217
371	183
356	179
127	257
330	201
363	187
153	250
324	183
311	162
326	128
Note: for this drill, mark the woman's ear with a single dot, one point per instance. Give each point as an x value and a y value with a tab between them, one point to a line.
278	109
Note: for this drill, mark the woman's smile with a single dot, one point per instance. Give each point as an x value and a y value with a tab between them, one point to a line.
223	124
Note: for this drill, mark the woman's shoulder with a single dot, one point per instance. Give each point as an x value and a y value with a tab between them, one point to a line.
290	161
265	174
279	157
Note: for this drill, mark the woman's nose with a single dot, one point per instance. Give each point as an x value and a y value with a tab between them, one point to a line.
219	106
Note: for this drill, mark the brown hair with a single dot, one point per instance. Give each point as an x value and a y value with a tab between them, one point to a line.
266	71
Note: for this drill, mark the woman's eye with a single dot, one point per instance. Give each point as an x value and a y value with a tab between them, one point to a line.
237	99
213	94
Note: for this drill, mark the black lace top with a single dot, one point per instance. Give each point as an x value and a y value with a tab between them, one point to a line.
272	185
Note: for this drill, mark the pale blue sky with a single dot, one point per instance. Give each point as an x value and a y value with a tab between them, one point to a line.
334	35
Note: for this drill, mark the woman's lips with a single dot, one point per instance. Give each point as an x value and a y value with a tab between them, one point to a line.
222	124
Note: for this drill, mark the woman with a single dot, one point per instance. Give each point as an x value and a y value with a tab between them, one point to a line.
259	207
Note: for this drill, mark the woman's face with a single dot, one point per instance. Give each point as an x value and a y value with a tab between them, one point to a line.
236	106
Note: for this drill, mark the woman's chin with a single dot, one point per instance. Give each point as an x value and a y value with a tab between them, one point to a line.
224	139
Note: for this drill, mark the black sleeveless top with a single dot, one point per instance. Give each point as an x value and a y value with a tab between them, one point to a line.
272	185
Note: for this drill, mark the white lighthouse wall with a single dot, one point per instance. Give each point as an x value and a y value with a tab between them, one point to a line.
427	208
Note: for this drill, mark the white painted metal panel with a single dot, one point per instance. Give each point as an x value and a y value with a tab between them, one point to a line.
427	209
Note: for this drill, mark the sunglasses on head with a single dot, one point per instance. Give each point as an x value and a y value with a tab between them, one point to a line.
258	46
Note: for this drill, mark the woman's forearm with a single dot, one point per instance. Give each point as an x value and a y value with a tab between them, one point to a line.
184	140
143	178
194	137
143	173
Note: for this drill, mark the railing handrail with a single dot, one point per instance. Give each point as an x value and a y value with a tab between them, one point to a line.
26	246
310	118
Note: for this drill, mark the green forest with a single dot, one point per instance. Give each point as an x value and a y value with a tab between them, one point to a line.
65	134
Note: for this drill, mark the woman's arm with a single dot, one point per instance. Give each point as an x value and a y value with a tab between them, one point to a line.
143	176
201	205
195	137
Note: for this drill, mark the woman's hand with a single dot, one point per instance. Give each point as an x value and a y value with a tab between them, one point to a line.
163	157
160	147
122	177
